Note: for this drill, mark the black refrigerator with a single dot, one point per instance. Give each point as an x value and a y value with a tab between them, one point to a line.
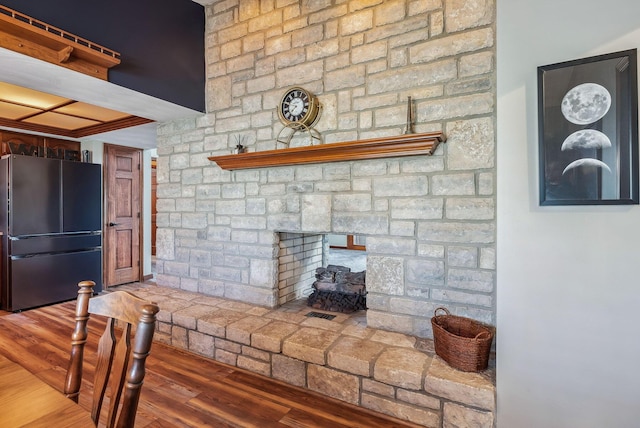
51	228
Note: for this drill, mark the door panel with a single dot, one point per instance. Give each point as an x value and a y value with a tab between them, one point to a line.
36	196
81	188
36	286
123	178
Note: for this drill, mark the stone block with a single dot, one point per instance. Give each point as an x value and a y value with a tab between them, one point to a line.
461	297
301	73
391	245
487	258
407	78
215	324
456	416
470	389
463	257
241	330
456	44
309	344
415	304
358	331
393	339
345	78
476	64
360	223
289	370
227	345
423	417
470	208
333	383
473	140
313	322
200	343
352	202
426	272
390	12
417	208
389	321
256	354
369	52
356	22
168	307
402	367
316	213
462	184
253	365
225	357
463	14
398	187
467	233
402	228
163	328
354	355
188	316
471	279
179	337
385	275
263	272
378	388
419	399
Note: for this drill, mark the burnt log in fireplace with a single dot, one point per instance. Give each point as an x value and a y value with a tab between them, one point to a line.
337	289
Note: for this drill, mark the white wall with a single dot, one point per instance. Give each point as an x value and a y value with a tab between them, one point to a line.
568	277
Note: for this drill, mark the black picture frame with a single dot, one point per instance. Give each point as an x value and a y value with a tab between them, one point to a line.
588	130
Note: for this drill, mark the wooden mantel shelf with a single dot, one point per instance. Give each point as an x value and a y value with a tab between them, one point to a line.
375	148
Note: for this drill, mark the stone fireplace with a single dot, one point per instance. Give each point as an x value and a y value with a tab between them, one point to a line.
420	254
429	221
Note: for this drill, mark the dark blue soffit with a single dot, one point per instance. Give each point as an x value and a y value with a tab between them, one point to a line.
161	42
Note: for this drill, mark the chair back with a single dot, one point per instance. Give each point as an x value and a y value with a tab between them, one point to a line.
119	369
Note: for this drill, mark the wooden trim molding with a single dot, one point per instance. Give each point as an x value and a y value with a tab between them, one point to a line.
375	148
28	36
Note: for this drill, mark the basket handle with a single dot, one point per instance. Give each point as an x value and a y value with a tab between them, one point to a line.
446	311
484	334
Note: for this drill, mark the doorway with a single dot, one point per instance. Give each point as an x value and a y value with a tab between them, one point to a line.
122	223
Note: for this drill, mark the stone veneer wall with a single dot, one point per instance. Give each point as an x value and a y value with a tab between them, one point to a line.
429	221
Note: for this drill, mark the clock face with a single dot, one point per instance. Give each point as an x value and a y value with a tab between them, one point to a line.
298	106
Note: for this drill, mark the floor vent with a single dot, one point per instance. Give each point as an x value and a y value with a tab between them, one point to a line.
321	315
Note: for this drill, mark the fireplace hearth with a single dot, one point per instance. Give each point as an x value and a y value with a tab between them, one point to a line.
337	289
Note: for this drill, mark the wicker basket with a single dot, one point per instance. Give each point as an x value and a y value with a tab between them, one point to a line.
462	342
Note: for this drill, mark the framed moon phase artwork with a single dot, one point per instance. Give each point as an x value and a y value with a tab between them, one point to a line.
588	131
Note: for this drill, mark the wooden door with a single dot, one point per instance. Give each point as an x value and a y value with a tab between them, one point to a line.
122	220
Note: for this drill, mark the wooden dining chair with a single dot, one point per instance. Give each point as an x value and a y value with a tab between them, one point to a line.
118	366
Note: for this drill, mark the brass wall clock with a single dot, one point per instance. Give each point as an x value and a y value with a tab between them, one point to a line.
299	108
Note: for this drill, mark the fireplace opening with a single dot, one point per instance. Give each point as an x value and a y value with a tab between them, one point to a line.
304	257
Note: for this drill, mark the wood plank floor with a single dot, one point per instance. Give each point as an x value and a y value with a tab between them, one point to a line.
180	389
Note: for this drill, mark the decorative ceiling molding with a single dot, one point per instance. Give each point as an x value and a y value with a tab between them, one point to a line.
35	111
28	36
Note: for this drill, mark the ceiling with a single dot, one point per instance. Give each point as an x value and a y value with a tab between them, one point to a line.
32	110
77	106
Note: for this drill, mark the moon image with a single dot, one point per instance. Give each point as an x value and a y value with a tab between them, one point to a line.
585	103
586	139
586	162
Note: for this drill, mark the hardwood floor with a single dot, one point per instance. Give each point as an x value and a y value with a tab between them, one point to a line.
180	389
